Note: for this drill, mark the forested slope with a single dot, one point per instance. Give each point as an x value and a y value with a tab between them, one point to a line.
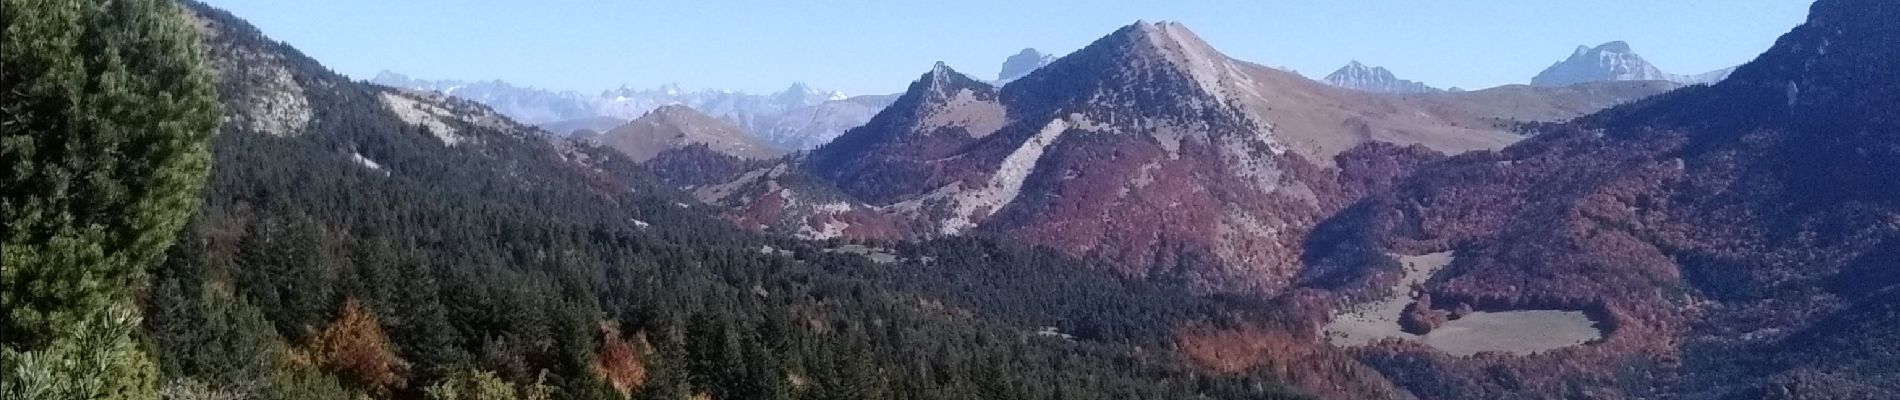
1736	240
358	240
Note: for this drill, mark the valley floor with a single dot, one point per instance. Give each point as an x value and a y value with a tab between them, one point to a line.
1517	332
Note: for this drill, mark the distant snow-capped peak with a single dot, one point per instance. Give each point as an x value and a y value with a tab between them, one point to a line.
755	112
1024	62
1358	76
1614	61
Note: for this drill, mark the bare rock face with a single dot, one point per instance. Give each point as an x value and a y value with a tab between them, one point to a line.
780	197
271	101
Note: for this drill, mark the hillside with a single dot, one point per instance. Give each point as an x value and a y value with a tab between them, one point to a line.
1727	237
675	127
359	240
1522	103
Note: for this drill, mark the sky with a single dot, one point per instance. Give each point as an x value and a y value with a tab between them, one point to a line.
880	46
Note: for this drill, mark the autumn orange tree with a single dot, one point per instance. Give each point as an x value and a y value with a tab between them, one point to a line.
355	347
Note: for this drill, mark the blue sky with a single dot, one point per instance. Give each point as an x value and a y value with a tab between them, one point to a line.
879	46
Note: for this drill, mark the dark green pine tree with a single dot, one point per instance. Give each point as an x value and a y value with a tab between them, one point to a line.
997	379
714	358
207	335
105	113
281	268
422	322
668	377
852	373
762	378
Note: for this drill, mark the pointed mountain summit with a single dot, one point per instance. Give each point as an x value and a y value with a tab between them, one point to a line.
677	126
941	112
1358	76
1163	70
801	95
1147	65
1613	61
942	83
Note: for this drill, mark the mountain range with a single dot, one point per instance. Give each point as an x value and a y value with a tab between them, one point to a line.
1147	148
1609	62
1151	151
797	118
1145	217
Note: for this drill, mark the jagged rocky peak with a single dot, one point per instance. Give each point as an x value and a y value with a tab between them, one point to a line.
1612	61
940	98
889	158
1615	61
941	73
1022	63
943	83
1357	70
800	94
1358	76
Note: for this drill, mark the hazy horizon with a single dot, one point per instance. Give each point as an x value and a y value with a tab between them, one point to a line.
864	47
